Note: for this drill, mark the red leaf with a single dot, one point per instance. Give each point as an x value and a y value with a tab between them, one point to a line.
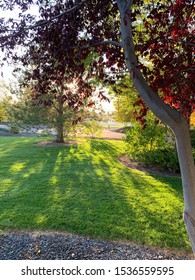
90	104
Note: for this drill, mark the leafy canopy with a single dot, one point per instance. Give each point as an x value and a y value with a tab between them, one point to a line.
163	37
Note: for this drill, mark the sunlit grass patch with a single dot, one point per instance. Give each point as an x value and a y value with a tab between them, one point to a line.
84	189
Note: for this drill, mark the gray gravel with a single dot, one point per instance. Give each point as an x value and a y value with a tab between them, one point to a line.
52	246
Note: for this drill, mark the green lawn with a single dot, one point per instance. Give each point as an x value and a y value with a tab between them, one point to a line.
84	189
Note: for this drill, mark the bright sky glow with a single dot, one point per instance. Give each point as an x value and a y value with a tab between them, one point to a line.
108	107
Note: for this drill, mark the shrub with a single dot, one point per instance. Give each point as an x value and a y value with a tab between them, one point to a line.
143	140
163	158
14	129
92	128
153	146
192	134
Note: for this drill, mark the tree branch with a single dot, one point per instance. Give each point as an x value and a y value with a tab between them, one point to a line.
45	22
129	4
41	22
106	42
163	111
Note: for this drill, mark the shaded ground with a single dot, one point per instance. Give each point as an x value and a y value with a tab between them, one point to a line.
125	160
54	144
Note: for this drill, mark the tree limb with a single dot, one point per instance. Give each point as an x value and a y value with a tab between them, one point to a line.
163	111
41	22
106	42
45	22
129	4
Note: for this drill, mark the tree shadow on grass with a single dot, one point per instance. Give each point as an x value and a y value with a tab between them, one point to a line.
83	189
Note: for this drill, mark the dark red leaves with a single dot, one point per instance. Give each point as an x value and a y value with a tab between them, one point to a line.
90	104
66	48
170	48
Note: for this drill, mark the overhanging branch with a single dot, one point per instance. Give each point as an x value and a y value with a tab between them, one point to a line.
106	42
40	23
129	4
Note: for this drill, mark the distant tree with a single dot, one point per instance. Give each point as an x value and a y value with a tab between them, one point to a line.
2	113
27	112
56	73
92	128
125	96
5	101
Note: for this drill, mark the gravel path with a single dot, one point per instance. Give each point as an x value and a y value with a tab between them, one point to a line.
58	246
109	134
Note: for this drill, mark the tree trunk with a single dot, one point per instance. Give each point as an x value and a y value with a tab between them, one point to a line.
60	117
60	133
168	115
187	168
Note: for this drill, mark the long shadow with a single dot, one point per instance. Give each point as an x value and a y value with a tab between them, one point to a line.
21	193
83	189
158	198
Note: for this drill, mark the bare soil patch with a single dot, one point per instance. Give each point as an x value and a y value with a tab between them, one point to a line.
130	163
56	144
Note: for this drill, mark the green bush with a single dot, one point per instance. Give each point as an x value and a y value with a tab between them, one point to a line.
92	128
44	134
163	158
14	129
141	140
153	146
192	134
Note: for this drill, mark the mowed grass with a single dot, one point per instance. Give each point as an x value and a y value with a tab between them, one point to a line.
84	189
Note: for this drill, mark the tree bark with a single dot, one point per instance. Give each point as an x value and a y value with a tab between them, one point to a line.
168	115
60	115
187	168
60	122
60	133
